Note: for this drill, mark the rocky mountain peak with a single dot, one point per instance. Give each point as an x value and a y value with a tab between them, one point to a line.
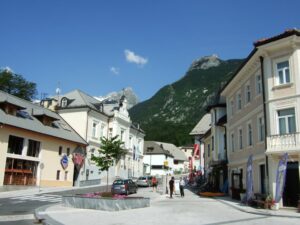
205	62
131	97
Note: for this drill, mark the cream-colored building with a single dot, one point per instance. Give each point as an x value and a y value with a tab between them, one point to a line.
94	119
36	145
263	116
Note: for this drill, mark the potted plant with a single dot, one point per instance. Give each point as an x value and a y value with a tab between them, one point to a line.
242	194
271	204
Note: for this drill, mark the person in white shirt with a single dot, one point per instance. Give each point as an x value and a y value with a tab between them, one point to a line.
181	186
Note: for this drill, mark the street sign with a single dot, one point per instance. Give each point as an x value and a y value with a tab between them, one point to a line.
166	163
64	161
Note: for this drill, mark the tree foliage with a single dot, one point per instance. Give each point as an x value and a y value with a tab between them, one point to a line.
110	151
16	85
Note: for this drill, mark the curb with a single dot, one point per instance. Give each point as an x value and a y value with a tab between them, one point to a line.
255	212
42	217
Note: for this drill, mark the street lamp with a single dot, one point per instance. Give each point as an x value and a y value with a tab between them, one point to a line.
150	150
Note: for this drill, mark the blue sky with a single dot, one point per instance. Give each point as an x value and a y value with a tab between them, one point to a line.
104	46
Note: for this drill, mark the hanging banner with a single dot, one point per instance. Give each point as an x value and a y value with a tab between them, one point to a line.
78	157
197	151
249	181
134	153
280	178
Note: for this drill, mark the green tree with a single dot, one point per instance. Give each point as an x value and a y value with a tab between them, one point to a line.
110	151
16	85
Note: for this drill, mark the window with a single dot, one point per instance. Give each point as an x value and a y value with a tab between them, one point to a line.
64	102
261	129
60	150
15	145
122	134
231	107
250	135
58	175
68	151
241	138
66	175
248	94
283	72
258	85
212	143
33	148
102	130
130	142
239	101
94	129
286	121
208	150
232	142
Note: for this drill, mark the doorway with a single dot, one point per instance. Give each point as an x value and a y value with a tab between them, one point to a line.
291	191
262	169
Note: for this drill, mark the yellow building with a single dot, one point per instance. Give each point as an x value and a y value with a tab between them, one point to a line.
36	145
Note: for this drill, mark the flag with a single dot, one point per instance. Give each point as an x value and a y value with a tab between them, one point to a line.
196	150
249	191
280	178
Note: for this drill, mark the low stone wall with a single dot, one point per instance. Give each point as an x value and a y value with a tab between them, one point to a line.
106	204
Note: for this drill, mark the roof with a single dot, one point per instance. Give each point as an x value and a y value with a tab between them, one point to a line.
27	119
153	148
285	34
259	43
156	148
203	126
175	151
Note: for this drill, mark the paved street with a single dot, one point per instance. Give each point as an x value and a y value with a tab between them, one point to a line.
19	208
164	211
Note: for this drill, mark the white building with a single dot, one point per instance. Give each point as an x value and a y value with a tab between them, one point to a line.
163	158
93	119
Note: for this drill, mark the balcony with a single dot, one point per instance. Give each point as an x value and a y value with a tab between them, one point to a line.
283	143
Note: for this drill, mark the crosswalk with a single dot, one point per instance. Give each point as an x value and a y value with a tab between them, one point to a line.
37	197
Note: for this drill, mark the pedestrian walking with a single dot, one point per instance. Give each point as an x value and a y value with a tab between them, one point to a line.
154	183
171	184
181	186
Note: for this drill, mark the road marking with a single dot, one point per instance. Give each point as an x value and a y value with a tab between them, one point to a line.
16	217
42	198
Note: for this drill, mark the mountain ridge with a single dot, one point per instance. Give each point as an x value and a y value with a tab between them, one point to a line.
171	113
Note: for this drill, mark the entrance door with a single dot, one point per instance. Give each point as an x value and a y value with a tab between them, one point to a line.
262	179
292	186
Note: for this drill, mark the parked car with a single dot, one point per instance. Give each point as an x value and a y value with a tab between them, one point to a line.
144	181
123	186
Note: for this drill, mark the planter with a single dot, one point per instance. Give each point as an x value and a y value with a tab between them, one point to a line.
275	206
106	204
242	196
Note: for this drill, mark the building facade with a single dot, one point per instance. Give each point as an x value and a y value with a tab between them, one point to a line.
36	145
94	119
263	116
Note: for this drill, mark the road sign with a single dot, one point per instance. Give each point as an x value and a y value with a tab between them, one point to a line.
64	161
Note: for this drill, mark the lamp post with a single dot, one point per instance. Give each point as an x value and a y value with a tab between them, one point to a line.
150	150
41	168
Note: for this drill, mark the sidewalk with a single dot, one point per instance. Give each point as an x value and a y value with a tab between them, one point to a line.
165	211
283	212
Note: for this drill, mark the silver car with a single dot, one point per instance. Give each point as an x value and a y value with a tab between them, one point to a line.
144	181
123	186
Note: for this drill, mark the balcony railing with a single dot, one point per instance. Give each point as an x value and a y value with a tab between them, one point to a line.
283	142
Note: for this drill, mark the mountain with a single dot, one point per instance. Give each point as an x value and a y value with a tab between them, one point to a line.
131	97
175	109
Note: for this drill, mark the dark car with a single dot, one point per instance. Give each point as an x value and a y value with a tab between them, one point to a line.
123	186
144	181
